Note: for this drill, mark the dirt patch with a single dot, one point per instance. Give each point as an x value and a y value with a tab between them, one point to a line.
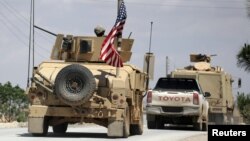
14	124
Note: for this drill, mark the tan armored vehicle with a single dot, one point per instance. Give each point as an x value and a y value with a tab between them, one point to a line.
214	80
75	86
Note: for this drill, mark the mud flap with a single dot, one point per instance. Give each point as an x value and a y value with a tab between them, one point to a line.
115	129
36	125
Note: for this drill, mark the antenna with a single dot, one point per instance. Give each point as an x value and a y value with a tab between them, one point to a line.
149	55
151	27
129	35
167	65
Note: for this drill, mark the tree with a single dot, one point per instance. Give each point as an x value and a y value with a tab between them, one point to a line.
243	61
243	58
244	106
13	102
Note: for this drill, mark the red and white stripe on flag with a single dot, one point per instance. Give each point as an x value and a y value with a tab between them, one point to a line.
108	52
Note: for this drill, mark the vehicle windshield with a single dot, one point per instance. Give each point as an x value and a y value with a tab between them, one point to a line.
177	84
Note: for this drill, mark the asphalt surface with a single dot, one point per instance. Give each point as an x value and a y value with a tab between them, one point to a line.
95	133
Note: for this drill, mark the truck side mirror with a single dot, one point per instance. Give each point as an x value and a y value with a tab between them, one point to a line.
207	94
239	83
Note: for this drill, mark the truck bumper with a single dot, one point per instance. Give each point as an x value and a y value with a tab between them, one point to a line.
42	111
173	111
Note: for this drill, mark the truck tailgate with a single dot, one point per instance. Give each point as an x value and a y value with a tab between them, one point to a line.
168	98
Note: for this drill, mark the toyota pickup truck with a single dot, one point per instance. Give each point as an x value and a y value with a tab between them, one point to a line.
178	101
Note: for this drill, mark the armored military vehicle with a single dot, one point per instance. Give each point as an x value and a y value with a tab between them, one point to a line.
214	80
75	86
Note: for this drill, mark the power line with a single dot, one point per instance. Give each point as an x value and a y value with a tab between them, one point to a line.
17	29
214	1
188	6
13	25
10	29
225	1
21	40
13	11
181	5
21	17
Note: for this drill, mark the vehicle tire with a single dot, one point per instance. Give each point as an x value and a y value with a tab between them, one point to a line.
151	124
205	123
75	84
151	121
126	123
137	129
204	126
198	126
159	123
61	128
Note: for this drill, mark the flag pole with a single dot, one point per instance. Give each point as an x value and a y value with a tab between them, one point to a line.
119	39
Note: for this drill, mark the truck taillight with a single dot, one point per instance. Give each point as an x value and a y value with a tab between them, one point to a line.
195	99
149	97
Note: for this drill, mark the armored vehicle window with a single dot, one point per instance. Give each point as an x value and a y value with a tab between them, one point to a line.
85	46
67	43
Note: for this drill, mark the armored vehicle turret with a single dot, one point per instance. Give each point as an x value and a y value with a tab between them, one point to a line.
214	80
75	86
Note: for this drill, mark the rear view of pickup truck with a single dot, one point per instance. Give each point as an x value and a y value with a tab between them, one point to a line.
177	101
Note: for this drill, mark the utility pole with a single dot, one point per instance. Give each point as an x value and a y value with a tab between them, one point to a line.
33	37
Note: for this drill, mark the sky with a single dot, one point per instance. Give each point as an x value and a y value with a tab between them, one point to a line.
180	27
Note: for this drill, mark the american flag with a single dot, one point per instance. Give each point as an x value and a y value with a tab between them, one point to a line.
108	52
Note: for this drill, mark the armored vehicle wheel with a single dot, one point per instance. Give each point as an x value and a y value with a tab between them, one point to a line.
61	128
137	129
126	123
204	126
74	84
205	123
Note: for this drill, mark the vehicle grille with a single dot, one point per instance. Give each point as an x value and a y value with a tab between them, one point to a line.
172	109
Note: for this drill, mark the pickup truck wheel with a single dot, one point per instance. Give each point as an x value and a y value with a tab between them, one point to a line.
159	123
151	125
74	85
61	128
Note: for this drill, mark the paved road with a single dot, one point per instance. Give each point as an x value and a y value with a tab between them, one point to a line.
95	133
